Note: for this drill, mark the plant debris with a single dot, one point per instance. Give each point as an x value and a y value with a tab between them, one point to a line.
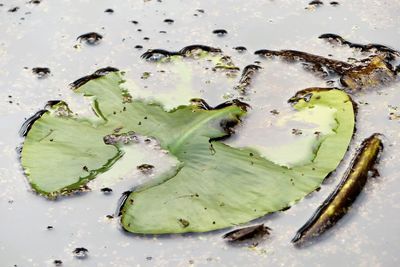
245	80
57	262
41	72
145	168
245	233
339	201
91	38
220	32
124	138
80	253
372	71
106	190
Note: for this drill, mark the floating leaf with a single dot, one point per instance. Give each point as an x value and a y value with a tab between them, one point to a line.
226	186
212	186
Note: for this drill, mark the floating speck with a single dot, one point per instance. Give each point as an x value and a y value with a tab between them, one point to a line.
145	168
91	38
169	21
13	9
240	49
274	112
57	262
41	72
80	253
316	3
109	10
220	32
106	190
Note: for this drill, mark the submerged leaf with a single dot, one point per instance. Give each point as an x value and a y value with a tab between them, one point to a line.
373	71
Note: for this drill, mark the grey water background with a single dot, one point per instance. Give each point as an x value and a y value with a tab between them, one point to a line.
45	35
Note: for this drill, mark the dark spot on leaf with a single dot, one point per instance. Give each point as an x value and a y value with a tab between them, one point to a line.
125	138
184	223
145	75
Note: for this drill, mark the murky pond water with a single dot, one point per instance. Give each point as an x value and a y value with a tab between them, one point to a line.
45	35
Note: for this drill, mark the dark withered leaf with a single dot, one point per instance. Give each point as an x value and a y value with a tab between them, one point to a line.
340	200
247	233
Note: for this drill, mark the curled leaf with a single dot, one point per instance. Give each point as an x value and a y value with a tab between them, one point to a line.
339	201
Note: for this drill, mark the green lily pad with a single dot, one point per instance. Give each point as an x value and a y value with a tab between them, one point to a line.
231	185
212	186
